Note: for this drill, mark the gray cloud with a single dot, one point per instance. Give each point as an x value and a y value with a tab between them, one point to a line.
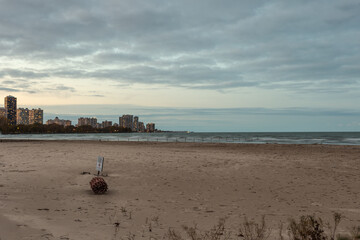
301	46
118	57
15	73
60	87
8	82
17	85
27	81
9	89
97	95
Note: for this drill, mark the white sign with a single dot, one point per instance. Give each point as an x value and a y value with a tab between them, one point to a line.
100	164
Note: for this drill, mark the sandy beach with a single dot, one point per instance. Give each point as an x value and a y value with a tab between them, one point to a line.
45	192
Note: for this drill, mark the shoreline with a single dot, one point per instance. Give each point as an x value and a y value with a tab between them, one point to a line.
167	185
329	138
124	142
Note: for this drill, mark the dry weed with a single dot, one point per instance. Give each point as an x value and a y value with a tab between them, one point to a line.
250	230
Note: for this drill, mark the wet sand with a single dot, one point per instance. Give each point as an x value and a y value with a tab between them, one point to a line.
156	186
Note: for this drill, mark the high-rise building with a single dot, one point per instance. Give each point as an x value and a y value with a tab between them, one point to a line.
93	122
2	112
126	121
82	122
10	109
136	124
36	116
58	121
87	121
150	127
141	127
106	124
22	116
67	123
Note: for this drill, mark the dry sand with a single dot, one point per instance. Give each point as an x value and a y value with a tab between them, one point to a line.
157	186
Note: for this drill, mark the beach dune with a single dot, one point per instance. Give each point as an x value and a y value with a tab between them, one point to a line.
45	191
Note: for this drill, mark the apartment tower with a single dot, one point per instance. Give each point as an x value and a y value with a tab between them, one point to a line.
136	124
2	113
126	121
10	109
150	127
36	116
22	116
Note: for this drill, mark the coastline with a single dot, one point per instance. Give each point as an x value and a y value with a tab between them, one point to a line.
43	190
324	138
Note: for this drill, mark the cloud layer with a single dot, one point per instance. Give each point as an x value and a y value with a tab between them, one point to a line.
297	46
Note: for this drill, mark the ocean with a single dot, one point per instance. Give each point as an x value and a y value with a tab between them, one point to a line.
334	138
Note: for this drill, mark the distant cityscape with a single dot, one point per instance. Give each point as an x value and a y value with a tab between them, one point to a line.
24	116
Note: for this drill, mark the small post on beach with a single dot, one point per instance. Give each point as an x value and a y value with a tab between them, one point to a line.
100	165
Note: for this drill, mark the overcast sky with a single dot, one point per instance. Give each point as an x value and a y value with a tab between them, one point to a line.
280	56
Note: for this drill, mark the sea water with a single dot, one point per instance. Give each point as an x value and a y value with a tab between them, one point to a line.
336	138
